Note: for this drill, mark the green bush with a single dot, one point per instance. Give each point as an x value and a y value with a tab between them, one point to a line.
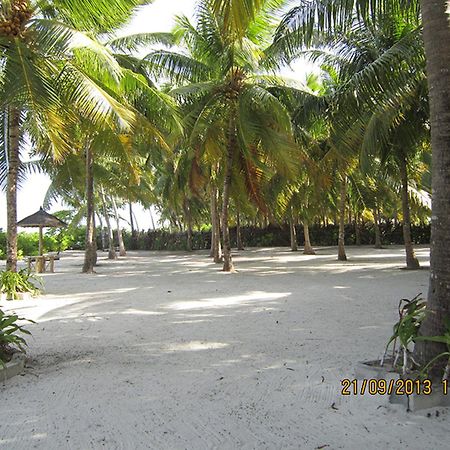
275	236
55	240
14	283
10	341
70	238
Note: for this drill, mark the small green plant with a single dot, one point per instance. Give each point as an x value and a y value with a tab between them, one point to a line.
411	314
10	340
13	283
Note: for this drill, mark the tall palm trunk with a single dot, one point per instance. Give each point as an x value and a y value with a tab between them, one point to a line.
357	229
111	248
307	250
437	49
232	143
376	222
133	226
188	219
212	206
341	241
95	239
152	220
293	232
122	251
12	142
102	231
411	260
133	231
216	248
239	243
90	250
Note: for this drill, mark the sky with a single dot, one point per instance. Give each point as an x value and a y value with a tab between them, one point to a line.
159	16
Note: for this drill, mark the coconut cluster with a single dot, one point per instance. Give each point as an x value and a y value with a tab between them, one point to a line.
13	23
234	86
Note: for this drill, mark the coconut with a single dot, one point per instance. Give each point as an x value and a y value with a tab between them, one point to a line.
14	23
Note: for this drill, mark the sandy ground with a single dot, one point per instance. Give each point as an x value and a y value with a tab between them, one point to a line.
164	351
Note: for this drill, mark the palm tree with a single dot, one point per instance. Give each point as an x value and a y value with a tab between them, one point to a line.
437	50
380	103
321	16
233	116
48	71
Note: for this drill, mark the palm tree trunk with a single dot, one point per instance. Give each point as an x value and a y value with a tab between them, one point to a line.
102	231
136	225
212	210
133	226
376	221
89	254
213	237
13	154
95	238
437	49
122	250
111	248
293	233
188	219
357	229
232	142
133	231
341	241
151	218
307	250
411	260
215	218
240	245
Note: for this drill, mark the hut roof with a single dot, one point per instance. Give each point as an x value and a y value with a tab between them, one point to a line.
41	219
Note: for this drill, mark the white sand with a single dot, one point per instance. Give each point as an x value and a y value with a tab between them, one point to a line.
164	351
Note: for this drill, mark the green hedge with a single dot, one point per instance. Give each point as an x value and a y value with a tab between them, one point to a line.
276	236
272	236
54	240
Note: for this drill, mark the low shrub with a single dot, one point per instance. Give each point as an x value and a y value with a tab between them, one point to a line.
10	339
14	283
276	236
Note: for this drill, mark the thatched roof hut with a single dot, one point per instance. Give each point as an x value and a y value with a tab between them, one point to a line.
41	219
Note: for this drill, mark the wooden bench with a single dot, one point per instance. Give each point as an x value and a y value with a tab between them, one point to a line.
44	263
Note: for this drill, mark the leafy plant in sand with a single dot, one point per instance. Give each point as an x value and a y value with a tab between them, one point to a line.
14	283
10	340
411	314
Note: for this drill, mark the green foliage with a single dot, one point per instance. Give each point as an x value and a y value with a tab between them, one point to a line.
10	340
55	240
70	238
273	236
14	283
411	314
